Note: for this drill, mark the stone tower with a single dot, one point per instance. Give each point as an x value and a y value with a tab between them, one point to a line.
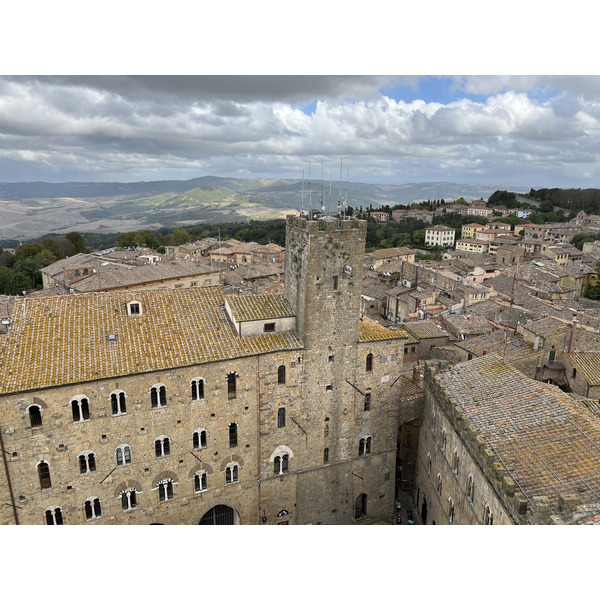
323	277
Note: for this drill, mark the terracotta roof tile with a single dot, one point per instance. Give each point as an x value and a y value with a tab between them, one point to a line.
64	340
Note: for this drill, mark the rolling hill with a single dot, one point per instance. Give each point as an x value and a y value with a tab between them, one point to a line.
37	208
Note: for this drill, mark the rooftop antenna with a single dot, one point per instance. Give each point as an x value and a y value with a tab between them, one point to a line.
322	190
340	200
346	198
329	200
309	195
302	201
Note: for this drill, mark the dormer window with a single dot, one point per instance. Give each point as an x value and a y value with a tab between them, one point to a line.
269	327
134	308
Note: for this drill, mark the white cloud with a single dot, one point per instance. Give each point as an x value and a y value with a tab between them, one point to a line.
142	129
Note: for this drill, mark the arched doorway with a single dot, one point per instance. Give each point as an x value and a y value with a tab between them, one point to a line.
220	515
424	511
360	508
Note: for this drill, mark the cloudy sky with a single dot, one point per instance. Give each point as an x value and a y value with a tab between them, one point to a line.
532	131
525	130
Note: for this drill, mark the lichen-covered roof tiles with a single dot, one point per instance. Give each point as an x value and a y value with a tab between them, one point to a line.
425	329
588	364
259	307
371	331
547	441
65	339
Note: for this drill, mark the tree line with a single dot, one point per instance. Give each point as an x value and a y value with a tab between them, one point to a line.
21	271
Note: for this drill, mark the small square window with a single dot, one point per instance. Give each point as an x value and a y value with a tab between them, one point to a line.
329	388
134	309
331	358
269	327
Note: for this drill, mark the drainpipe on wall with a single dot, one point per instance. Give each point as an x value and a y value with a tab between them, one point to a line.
10	490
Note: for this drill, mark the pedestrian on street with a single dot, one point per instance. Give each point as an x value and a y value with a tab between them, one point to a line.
398	505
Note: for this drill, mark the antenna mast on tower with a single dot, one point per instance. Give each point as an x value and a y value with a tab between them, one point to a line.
340	202
302	197
322	190
309	196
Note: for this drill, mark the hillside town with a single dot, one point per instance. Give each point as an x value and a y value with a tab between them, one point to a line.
140	386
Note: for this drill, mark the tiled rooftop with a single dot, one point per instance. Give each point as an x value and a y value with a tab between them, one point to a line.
547	441
371	331
142	274
468	324
546	326
64	340
588	364
425	329
259	307
500	343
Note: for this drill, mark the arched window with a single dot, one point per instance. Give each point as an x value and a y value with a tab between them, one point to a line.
281	417
439	483
158	395
488	516
199	439
450	511
470	489
92	508
200	481
367	403
53	516
455	462
81	409
281	375
165	490
326	429
162	447
44	475
233	431
281	464
369	363
128	499
429	463
443	441
87	462
364	445
231	473
231	385
117	403
123	454
35	415
197	386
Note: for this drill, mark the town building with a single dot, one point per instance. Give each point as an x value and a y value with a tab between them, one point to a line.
440	235
468	231
183	406
380	216
473	245
497	447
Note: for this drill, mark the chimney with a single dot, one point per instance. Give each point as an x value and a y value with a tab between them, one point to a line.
572	340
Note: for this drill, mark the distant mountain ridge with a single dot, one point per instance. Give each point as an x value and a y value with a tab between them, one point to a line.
396	193
36	208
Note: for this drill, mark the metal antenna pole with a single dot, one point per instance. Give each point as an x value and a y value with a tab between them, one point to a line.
309	195
302	201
